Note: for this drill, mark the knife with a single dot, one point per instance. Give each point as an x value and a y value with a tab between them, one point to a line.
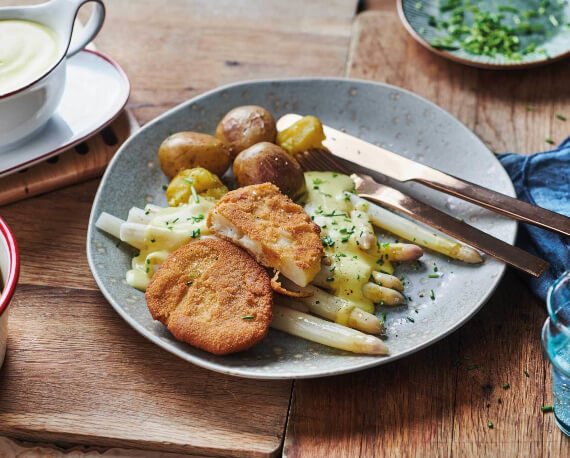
403	169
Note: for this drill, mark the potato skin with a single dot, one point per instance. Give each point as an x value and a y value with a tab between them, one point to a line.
268	163
187	150
245	126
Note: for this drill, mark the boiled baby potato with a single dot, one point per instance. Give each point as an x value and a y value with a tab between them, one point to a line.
245	126
185	150
205	184
305	134
268	163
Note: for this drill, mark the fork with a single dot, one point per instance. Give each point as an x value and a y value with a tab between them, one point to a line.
366	187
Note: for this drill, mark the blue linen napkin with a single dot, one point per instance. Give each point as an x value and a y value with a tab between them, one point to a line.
543	179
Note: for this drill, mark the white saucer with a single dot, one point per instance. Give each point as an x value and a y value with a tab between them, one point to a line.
96	91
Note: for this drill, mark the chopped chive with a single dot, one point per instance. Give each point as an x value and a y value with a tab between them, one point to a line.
508	9
526	373
147	212
473	366
561	117
433	276
194	193
189	282
409	318
506	386
549	140
499	401
187	180
152	240
164	187
318	181
383	318
330	278
418	6
530	108
247	317
431	294
195	233
490	424
553	20
546	409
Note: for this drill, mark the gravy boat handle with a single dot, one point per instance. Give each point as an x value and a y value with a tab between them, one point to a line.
70	8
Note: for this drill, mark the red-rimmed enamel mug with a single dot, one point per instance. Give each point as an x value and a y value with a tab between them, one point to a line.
9	270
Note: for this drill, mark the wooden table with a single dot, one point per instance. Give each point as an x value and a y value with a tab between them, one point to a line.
429	404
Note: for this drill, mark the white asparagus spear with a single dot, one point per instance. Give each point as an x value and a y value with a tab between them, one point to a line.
110	224
415	233
332	308
389	281
370	290
398	252
377	293
138	215
133	234
324	332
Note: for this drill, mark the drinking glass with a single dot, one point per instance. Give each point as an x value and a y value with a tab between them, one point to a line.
556	346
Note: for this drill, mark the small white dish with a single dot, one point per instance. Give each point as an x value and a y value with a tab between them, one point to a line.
96	91
25	109
9	270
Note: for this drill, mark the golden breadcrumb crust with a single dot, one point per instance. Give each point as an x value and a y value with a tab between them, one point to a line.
213	295
268	216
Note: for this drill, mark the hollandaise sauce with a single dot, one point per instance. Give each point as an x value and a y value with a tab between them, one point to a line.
27	50
343	229
169	229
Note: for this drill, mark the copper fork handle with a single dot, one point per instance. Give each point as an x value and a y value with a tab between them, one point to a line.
496	201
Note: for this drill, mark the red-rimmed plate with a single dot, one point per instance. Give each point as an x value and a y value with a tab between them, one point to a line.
96	91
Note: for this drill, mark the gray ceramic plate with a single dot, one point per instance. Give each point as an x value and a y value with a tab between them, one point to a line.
378	113
553	38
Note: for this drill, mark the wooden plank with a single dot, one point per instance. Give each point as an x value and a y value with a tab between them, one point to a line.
435	403
198	44
76	372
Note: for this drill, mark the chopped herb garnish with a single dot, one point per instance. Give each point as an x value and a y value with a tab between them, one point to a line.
175	220
500	401
418	5
318	181
195	233
435	268
431	294
546	409
355	257
164	187
335	214
330	278
409	318
148	261
508	9
345	238
189	282
434	276
327	241
549	140
473	366
561	117
334	175
382	319
247	317
506	386
317	302
526	373
194	193
490	424
152	240
147	212
187	180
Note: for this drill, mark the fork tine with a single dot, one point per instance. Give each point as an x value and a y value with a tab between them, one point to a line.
320	159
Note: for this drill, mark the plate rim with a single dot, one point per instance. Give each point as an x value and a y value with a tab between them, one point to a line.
471	63
127	92
240	372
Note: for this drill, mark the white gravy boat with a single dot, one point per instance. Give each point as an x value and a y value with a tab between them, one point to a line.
26	109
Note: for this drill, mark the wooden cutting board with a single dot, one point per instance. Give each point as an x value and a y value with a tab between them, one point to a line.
83	162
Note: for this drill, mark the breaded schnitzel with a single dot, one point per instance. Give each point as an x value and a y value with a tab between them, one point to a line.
213	295
276	231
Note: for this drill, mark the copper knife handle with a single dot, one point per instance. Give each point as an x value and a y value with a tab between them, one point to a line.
367	188
495	201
